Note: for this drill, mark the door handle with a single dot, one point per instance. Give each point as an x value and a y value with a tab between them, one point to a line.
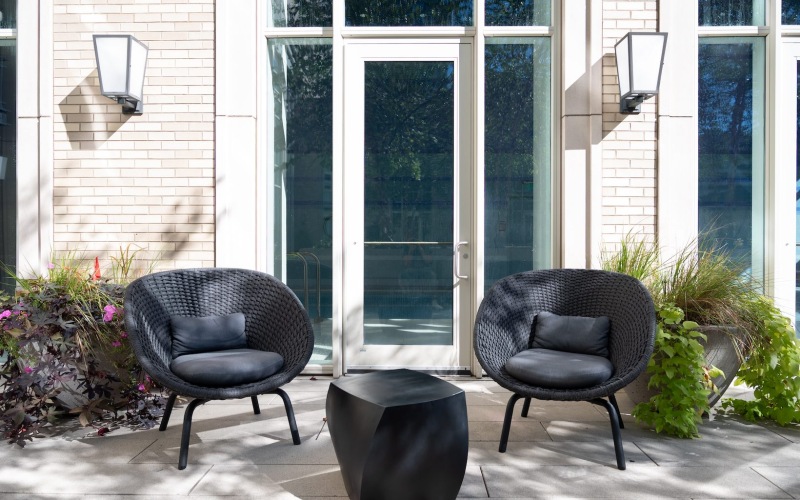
456	266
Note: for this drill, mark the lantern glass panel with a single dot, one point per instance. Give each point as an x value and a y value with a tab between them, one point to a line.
646	51
137	67
623	69
112	64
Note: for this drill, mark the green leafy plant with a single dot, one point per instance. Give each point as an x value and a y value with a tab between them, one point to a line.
772	369
63	349
705	286
679	376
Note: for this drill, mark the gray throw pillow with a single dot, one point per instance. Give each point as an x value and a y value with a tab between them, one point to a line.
575	334
192	335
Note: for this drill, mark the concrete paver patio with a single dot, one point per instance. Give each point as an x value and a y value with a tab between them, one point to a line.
562	450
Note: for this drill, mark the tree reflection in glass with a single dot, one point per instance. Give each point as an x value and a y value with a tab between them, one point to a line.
731	12
8	164
731	147
301	13
408	12
790	12
517	12
408	198
301	146
517	179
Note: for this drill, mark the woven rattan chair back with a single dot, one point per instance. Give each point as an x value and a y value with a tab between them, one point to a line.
503	326
275	320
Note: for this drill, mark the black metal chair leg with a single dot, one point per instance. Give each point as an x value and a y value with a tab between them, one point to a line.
526	405
614	417
167	412
187	431
613	400
287	403
507	421
256	408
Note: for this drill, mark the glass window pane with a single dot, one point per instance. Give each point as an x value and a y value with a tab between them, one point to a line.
797	206
731	147
301	149
790	12
8	160
409	160
517	174
408	12
300	14
517	13
8	14
731	12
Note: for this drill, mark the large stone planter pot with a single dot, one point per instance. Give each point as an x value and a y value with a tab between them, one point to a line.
720	350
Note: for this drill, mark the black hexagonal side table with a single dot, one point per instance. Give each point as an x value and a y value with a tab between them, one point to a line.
399	434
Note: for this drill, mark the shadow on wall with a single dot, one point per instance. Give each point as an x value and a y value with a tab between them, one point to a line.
91	121
89	118
580	103
610	61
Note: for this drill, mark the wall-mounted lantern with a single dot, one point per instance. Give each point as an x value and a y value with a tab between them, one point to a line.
640	57
121	61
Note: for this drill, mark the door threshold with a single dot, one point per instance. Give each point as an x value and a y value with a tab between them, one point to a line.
440	371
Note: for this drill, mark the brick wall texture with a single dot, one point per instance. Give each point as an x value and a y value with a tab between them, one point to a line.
629	141
147	180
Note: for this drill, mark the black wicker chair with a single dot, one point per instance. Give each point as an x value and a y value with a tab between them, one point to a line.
503	329
275	321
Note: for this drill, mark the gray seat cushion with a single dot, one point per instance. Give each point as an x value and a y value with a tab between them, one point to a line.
558	369
226	368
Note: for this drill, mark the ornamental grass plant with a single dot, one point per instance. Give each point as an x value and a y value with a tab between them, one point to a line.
699	287
64	352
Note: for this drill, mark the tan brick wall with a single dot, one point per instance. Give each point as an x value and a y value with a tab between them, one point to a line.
629	141
143	180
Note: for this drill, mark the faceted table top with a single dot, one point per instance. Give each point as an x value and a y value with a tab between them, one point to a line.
396	387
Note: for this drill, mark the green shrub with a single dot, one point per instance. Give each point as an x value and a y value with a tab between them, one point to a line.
679	376
707	287
772	369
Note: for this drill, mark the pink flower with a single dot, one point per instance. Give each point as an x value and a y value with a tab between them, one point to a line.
5	314
142	388
28	369
51	266
116	343
123	335
109	315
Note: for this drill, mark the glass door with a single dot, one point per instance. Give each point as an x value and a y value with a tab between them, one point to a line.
787	283
407	210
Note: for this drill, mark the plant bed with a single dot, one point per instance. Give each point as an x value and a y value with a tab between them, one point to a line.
715	327
721	349
64	352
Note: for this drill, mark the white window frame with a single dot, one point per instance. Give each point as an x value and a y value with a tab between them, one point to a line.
243	219
678	147
34	35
